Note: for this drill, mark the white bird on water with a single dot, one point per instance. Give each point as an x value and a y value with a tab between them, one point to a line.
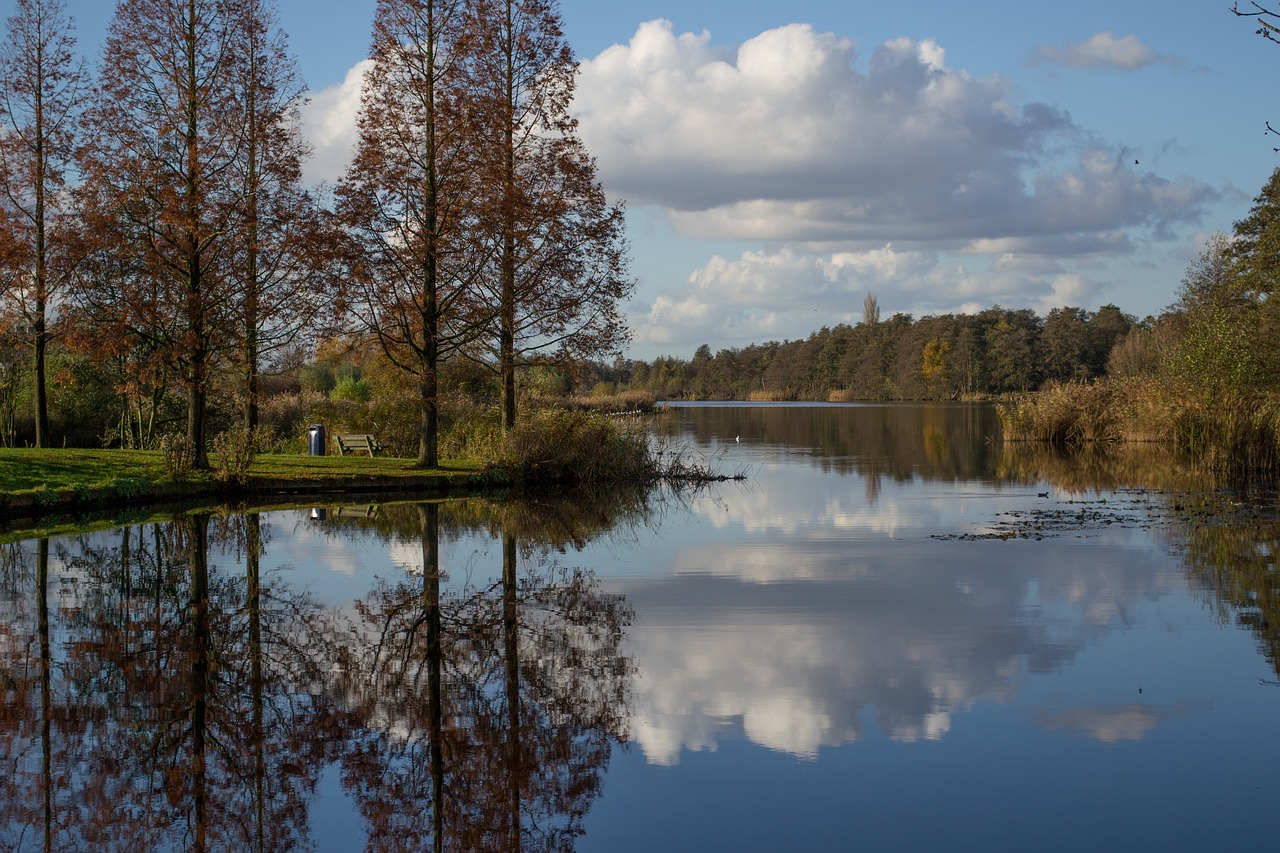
738	438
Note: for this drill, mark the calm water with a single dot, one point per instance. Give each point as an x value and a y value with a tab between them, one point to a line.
894	635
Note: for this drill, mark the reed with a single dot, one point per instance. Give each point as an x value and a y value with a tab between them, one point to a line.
1230	432
1068	414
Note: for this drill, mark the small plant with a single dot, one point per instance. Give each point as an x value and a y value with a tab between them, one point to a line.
233	453
129	487
179	457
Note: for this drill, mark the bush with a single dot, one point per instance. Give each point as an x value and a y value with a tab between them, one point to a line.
284	419
233	453
179	456
470	431
553	445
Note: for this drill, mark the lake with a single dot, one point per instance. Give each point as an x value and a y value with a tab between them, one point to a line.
894	633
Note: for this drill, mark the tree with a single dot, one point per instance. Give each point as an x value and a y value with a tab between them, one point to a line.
278	259
870	309
165	132
1107	327
1214	350
41	91
559	251
409	200
934	365
1255	251
1064	344
1011	345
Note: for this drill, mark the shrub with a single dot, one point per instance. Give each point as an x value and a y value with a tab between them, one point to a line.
554	445
233	453
470	431
179	456
351	388
284	419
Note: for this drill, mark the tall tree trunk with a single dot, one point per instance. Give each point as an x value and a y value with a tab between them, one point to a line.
507	321
253	553
251	212
42	281
429	442
197	390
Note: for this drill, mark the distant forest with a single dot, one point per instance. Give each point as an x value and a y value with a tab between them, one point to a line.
947	357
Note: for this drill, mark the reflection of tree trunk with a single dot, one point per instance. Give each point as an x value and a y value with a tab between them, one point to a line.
511	643
46	690
126	587
253	547
199	552
429	515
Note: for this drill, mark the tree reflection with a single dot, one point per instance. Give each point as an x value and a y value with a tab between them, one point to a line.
1228	537
491	709
32	758
161	691
175	702
1230	544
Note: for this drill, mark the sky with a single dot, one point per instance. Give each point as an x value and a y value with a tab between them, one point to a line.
779	161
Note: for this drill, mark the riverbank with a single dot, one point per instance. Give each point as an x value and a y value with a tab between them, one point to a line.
55	481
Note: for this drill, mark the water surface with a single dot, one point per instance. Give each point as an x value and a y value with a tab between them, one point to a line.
894	635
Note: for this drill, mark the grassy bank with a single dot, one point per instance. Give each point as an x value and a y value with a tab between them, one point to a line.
36	481
549	447
1224	431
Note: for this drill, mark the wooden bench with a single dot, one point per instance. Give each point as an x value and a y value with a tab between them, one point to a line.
358	442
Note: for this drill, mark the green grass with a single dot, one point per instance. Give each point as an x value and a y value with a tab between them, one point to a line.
136	472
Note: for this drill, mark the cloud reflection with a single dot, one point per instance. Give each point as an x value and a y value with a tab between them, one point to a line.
1109	724
811	643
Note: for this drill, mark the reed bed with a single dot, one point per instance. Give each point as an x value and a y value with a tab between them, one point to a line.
1232	432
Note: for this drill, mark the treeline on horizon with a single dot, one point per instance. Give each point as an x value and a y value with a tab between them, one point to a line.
945	357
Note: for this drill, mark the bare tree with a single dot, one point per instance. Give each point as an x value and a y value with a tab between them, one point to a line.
41	91
870	309
1268	21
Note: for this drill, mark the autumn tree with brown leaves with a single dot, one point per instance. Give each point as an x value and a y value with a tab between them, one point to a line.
409	200
41	91
280	272
558	247
164	136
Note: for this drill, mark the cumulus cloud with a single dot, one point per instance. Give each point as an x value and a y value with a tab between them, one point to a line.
1105	50
786	294
786	139
329	124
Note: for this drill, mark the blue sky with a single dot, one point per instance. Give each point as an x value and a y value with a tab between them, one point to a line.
781	160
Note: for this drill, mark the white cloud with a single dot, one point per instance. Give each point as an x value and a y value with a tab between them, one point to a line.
1105	50
786	294
329	124
786	139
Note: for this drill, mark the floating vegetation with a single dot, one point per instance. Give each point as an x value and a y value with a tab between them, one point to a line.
1133	509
